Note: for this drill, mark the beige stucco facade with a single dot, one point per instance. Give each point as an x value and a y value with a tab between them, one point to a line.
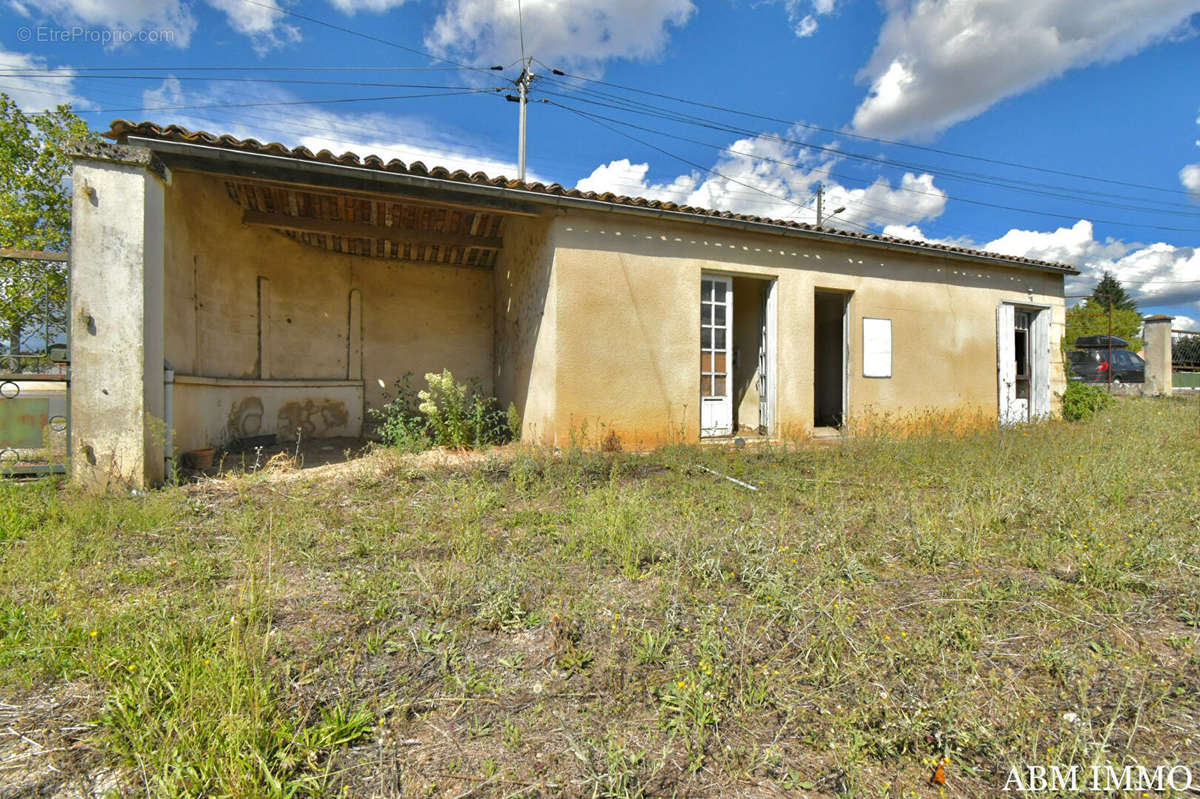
193	327
626	322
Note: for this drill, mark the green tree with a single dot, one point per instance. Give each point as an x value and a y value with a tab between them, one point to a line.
1109	293
35	214
1089	318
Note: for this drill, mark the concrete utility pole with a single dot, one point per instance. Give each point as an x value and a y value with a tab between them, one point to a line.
523	85
820	201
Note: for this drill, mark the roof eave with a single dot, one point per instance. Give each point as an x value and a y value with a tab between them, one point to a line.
523	196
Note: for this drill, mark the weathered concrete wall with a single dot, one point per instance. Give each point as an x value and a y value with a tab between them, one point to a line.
524	334
116	322
214	411
627	318
248	302
1157	352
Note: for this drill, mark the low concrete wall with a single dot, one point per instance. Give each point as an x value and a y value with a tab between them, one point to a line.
211	411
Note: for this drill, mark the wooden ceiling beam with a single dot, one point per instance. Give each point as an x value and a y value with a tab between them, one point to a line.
365	230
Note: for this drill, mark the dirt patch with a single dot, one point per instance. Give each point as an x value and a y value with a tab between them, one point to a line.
45	747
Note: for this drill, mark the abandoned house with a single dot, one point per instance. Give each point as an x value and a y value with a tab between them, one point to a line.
223	288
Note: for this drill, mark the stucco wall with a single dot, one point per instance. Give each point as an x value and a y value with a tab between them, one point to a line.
213	411
525	363
414	318
627	317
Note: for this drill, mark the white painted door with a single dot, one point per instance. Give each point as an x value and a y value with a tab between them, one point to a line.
716	358
766	361
1010	412
1039	356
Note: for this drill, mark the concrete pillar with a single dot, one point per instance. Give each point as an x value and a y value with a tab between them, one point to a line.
1157	334
117	396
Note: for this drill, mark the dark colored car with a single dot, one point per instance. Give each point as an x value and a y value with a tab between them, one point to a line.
1089	361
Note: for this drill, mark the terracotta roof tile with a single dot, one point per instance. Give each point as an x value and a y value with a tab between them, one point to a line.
122	128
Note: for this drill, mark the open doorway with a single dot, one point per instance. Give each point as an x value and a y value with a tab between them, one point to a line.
737	361
1023	363
829	358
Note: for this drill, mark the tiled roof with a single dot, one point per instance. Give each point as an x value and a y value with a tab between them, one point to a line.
122	128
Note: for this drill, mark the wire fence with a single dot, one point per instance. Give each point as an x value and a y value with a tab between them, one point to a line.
1185	350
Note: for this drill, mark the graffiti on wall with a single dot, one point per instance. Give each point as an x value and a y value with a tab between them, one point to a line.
246	418
311	418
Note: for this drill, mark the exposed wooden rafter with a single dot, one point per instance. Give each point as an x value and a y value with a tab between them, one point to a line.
364	230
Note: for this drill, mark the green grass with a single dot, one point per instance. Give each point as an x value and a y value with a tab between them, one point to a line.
622	625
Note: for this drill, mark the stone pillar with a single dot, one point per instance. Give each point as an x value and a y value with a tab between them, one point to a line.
117	395
1157	334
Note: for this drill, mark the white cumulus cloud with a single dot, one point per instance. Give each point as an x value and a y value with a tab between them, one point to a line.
261	20
765	176
1189	176
624	177
37	94
133	15
338	129
374	6
581	34
1155	274
803	15
938	62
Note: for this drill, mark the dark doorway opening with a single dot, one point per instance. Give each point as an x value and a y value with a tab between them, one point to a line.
829	358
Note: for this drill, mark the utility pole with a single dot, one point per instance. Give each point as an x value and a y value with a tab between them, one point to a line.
523	85
820	201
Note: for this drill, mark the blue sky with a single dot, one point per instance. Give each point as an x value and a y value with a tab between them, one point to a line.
1081	117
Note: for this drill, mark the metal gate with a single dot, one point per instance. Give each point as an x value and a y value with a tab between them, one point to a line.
34	369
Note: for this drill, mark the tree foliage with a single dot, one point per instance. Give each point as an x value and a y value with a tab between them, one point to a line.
1088	318
1109	293
35	214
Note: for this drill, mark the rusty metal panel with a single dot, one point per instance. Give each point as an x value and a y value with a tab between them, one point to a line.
23	422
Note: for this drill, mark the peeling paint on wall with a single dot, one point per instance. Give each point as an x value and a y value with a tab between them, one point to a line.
246	417
310	418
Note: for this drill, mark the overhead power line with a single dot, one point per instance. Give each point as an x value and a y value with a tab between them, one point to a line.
292	102
597	118
282	81
367	36
863	137
946	174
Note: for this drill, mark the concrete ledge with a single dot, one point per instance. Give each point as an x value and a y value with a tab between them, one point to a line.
254	382
213	411
90	150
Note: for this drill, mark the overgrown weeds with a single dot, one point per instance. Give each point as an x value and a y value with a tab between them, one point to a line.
445	414
598	623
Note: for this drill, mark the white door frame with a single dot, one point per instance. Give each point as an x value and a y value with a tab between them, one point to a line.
1009	411
716	359
767	359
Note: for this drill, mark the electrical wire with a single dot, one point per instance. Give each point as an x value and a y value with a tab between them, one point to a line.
901	188
863	137
291	102
282	81
593	118
332	26
970	177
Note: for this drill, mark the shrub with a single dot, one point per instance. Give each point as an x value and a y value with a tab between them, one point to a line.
1081	401
399	423
446	414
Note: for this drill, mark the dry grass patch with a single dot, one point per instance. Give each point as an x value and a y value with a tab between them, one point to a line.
593	624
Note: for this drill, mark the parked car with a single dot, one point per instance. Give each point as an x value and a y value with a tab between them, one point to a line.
1089	361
